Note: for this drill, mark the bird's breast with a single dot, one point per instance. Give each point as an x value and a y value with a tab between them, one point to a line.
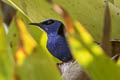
58	47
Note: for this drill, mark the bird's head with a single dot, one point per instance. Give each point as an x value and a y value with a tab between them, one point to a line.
51	26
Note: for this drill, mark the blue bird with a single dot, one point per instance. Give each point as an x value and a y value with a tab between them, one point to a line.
56	43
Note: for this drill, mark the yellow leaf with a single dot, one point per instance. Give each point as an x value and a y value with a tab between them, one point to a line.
28	42
20	56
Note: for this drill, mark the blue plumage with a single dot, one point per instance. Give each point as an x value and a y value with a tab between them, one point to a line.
56	43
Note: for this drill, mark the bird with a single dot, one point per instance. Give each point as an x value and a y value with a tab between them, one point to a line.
56	43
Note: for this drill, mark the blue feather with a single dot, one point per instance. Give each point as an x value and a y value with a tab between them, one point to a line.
56	43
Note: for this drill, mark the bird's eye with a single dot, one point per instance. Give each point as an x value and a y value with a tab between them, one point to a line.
48	22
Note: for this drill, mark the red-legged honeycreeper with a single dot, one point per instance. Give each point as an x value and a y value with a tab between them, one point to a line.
56	43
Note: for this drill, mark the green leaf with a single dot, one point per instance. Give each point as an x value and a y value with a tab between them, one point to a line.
91	56
89	12
6	59
117	3
13	32
13	39
112	1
